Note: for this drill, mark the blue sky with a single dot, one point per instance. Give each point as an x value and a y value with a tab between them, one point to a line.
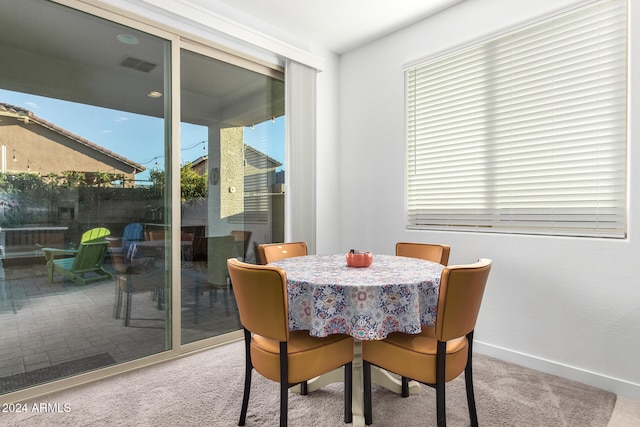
136	137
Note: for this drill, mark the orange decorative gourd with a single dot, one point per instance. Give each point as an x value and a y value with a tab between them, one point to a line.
359	259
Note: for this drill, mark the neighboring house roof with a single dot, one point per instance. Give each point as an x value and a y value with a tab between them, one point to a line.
199	161
273	163
27	116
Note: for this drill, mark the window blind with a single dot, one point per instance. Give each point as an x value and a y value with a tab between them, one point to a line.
525	133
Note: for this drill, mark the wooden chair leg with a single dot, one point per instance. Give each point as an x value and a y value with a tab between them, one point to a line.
284	384
226	302
247	377
50	271
405	387
366	377
348	392
468	380
441	357
127	309
118	304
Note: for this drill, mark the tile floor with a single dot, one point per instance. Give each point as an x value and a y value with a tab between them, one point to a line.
44	324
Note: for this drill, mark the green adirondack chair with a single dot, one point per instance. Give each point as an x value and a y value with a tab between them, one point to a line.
83	265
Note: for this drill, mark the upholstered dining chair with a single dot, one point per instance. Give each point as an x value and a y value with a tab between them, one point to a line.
429	251
439	353
131	279
155	235
280	355
220	248
242	239
270	252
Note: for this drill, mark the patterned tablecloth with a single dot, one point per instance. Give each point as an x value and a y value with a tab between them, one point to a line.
393	294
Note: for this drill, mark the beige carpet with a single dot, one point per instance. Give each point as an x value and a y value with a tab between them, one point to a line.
206	390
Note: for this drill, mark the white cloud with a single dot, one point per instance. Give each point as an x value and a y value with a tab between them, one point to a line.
31	105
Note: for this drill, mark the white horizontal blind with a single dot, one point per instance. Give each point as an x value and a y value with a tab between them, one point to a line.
525	133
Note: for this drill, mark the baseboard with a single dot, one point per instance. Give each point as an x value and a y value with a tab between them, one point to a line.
614	385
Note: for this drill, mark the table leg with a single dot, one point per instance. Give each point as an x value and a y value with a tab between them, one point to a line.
378	376
335	376
357	402
386	380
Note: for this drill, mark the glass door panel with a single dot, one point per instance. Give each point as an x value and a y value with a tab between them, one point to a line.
232	155
82	125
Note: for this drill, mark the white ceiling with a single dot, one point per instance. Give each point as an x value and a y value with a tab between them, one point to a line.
61	53
339	25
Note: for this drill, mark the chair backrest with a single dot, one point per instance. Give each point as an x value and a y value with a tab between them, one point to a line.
132	233
118	261
244	237
95	235
90	256
219	248
459	299
429	251
270	252
156	235
138	265
261	295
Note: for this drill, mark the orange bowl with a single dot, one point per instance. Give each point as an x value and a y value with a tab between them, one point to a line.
359	259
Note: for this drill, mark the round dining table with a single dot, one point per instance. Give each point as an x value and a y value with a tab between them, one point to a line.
393	294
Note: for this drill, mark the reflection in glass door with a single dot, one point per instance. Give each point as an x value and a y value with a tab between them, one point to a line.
82	124
86	170
232	183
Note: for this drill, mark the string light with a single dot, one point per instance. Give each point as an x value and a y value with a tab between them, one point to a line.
155	159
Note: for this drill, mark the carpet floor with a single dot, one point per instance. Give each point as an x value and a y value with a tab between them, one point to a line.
205	389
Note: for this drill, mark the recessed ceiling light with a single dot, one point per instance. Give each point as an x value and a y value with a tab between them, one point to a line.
127	39
154	94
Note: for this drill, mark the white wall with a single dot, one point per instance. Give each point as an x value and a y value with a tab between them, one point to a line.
569	306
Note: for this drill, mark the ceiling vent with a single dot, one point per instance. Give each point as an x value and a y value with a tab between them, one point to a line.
138	64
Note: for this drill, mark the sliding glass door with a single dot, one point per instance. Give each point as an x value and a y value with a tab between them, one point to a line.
82	116
232	155
93	272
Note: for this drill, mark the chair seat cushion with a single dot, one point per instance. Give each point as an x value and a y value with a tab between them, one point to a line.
414	356
308	356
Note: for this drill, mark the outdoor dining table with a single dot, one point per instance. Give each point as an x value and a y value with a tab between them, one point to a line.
393	294
156	249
